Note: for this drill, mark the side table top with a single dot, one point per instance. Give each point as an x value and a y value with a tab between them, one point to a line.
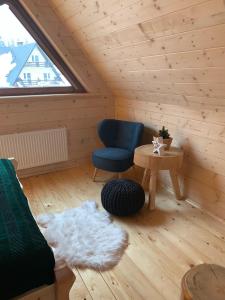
145	158
147	150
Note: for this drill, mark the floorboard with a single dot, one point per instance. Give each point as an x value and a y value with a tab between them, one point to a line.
163	244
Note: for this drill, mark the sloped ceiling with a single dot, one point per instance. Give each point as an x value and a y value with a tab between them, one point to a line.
64	42
150	45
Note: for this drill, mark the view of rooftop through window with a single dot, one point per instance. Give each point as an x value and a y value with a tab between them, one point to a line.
22	61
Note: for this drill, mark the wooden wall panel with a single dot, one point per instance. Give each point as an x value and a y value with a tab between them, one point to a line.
164	60
79	113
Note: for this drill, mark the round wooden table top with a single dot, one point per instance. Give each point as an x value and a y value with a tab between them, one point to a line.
204	282
148	151
144	157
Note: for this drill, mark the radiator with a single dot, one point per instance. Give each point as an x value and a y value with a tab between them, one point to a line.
36	148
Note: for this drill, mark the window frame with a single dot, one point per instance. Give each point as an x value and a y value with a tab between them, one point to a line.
76	87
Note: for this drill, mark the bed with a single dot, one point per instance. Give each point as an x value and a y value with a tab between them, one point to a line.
28	269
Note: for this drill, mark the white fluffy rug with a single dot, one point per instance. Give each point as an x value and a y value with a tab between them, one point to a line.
84	237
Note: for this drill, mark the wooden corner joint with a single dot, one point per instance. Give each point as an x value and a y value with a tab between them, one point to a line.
14	162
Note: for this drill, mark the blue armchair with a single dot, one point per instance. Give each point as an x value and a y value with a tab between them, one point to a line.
120	139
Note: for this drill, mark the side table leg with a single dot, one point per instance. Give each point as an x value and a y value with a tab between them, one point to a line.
152	190
174	179
144	177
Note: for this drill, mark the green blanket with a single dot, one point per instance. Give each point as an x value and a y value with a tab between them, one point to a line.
26	260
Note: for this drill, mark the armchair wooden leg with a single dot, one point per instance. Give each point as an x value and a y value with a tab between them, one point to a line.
94	175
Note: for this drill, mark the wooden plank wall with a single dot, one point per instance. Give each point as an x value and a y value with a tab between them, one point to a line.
164	60
79	113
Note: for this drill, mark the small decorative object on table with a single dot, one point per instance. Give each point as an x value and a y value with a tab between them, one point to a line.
167	139
158	146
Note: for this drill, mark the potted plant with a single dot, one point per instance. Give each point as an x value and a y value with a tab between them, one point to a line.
167	139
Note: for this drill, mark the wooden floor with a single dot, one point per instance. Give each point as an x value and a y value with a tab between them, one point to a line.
163	244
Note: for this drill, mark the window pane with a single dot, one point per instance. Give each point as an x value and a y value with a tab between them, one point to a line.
22	61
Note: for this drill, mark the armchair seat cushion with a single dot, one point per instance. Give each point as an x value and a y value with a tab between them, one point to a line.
112	159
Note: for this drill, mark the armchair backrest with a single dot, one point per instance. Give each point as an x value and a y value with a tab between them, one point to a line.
120	134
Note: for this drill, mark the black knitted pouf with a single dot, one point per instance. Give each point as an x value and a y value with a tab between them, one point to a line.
122	197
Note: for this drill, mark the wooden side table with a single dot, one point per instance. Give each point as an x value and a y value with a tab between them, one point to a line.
204	282
172	161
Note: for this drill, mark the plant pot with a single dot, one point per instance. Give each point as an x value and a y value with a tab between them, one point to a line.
167	142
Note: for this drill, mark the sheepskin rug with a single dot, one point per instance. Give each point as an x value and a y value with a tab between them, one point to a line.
84	237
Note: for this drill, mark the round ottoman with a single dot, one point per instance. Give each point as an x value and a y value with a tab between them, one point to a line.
122	197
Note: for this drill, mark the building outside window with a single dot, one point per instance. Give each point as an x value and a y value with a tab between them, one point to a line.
45	76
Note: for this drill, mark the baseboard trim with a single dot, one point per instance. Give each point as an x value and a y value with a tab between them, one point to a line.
52	168
194	204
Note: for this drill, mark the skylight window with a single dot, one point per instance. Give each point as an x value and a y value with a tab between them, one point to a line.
25	63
